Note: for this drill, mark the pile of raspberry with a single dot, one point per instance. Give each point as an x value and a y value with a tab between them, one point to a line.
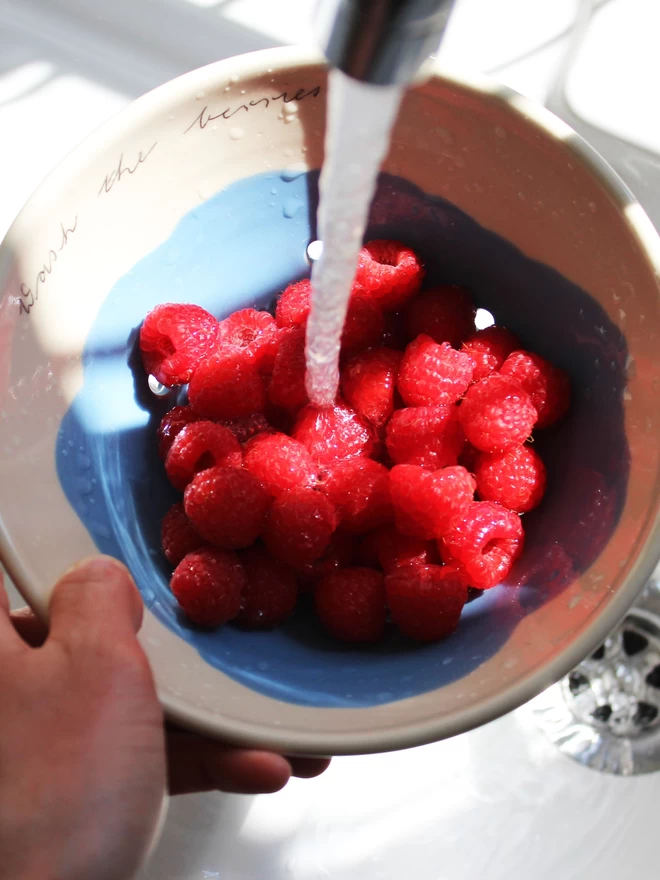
387	507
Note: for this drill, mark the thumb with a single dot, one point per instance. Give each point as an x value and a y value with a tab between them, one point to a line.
95	602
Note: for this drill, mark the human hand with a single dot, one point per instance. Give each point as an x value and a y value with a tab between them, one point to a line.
83	749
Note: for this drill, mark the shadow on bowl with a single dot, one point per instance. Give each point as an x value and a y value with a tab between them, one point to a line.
241	248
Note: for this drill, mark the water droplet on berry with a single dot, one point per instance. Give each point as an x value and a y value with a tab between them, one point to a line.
157	388
291	207
236	133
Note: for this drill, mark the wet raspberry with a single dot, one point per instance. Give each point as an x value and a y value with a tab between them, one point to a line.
486	541
270	592
175	339
208	584
364	324
279	462
227	386
489	348
445	313
430	436
256	332
287	386
173	422
497	414
248	426
432	374
178	537
333	433
368	383
360	490
469	458
299	526
226	506
390	272
351	604
426	502
389	549
515	479
426	601
547	385
293	304
341	553
199	446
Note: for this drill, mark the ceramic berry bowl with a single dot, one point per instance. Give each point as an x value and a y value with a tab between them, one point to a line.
205	192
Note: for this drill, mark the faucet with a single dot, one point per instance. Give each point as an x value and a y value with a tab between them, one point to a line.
382	42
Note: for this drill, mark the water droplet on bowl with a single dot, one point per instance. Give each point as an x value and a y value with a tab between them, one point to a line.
233	78
84	462
291	207
500	132
314	250
157	388
236	133
293	171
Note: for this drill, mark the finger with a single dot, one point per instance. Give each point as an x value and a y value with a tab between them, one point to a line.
95	602
198	764
308	768
10	641
30	628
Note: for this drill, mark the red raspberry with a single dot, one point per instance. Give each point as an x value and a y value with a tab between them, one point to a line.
364	323
247	427
426	601
340	554
497	414
469	458
200	446
445	313
279	462
333	433
227	385
299	526
208	584
175	339
486	541
425	503
360	490
515	479
177	535
226	506
292	309
430	436
389	549
256	332
432	374
389	271
489	348
368	383
548	386
394	335
351	604
287	386
173	422
271	591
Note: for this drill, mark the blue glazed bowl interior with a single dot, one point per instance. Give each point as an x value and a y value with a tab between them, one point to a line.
241	248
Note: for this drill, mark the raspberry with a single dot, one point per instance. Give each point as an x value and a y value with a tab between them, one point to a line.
271	591
445	313
364	323
394	335
175	339
299	526
340	554
469	458
226	506
207	584
177	535
548	386
425	503
333	433
489	348
173	422
389	549
287	386
368	383
360	490
497	414
486	540
515	479
351	604
389	271
247	427
433	374
256	332
199	446
227	385
279	462
426	601
292	309
430	436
